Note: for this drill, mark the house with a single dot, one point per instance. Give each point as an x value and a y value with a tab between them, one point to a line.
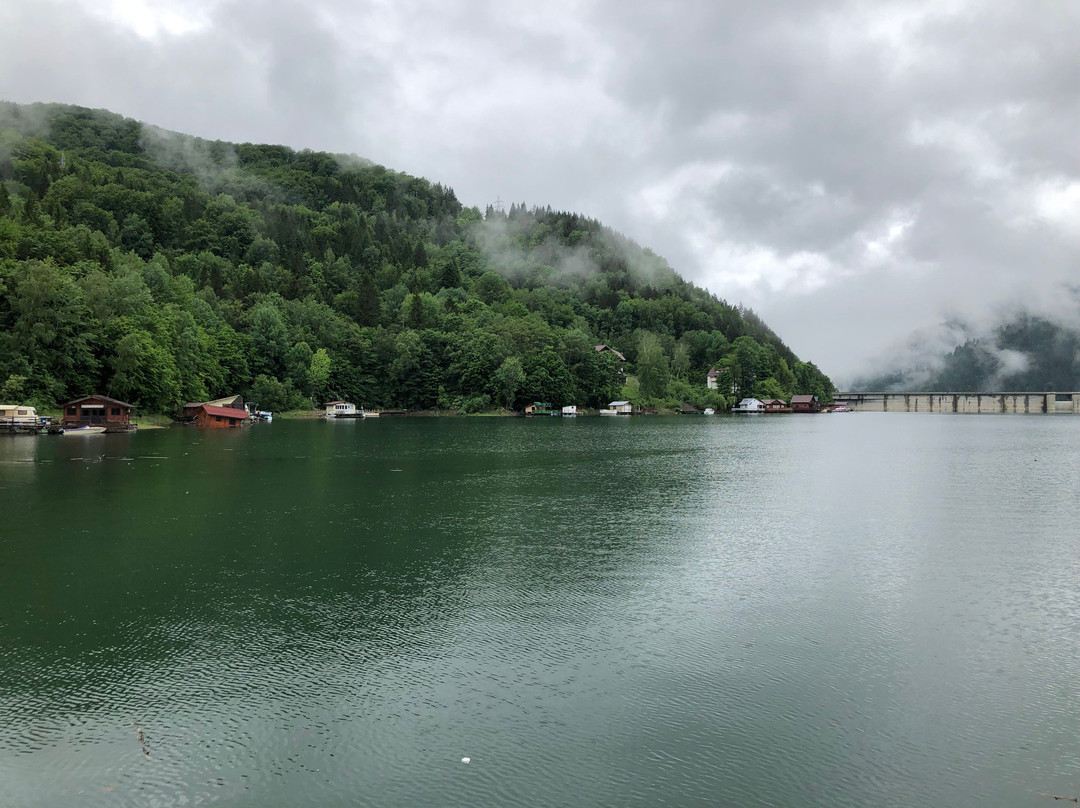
618	408
689	409
342	409
14	414
805	403
775	405
191	410
717	375
749	405
214	417
569	409
539	408
114	415
602	348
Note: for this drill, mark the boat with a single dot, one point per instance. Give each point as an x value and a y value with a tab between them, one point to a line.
710	411
86	429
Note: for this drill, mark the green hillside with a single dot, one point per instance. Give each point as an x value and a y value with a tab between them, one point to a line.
160	268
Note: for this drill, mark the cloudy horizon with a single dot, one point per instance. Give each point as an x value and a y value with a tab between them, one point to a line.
854	172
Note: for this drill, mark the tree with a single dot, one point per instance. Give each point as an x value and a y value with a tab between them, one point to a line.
508	380
319	374
652	365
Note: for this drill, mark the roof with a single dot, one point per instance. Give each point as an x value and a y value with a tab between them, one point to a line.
328	403
100	398
224	412
803	399
618	403
713	374
609	348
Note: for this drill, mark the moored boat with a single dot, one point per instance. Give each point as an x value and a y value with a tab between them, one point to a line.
86	429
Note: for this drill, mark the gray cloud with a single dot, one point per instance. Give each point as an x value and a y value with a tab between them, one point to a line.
853	171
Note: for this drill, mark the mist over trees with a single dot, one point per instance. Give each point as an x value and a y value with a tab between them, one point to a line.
1024	353
160	268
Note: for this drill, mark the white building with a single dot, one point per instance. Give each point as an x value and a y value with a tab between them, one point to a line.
340	409
749	405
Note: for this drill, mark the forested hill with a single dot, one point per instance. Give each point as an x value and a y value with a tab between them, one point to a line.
159	268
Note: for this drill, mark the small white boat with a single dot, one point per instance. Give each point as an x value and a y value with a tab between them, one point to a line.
86	429
710	411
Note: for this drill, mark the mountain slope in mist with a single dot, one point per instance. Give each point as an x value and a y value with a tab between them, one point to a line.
1026	352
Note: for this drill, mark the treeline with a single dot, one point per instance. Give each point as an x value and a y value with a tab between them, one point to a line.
160	268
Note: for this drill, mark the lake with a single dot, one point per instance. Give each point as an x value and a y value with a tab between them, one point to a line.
835	610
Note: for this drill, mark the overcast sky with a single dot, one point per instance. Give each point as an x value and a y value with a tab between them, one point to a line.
854	171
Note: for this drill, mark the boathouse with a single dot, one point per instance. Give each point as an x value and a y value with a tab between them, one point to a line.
213	417
97	411
775	405
805	403
341	409
191	410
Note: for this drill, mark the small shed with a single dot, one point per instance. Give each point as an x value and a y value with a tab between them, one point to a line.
805	403
340	409
621	407
539	408
213	417
97	411
570	409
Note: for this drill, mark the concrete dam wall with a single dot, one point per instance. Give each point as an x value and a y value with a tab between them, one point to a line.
963	402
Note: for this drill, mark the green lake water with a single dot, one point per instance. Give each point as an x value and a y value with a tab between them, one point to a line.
841	610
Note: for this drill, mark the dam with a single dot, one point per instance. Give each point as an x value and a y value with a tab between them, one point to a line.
983	403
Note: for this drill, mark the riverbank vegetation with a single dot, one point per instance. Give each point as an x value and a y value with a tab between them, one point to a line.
160	268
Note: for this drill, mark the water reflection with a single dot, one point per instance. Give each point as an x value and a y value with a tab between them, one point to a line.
595	612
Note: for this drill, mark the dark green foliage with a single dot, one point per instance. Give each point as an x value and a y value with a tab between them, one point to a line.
160	268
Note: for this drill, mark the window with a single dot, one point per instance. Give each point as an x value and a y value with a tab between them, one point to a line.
115	410
72	411
217	418
24	412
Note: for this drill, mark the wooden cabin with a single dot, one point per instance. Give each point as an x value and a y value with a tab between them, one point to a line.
805	403
775	405
214	417
97	411
539	408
